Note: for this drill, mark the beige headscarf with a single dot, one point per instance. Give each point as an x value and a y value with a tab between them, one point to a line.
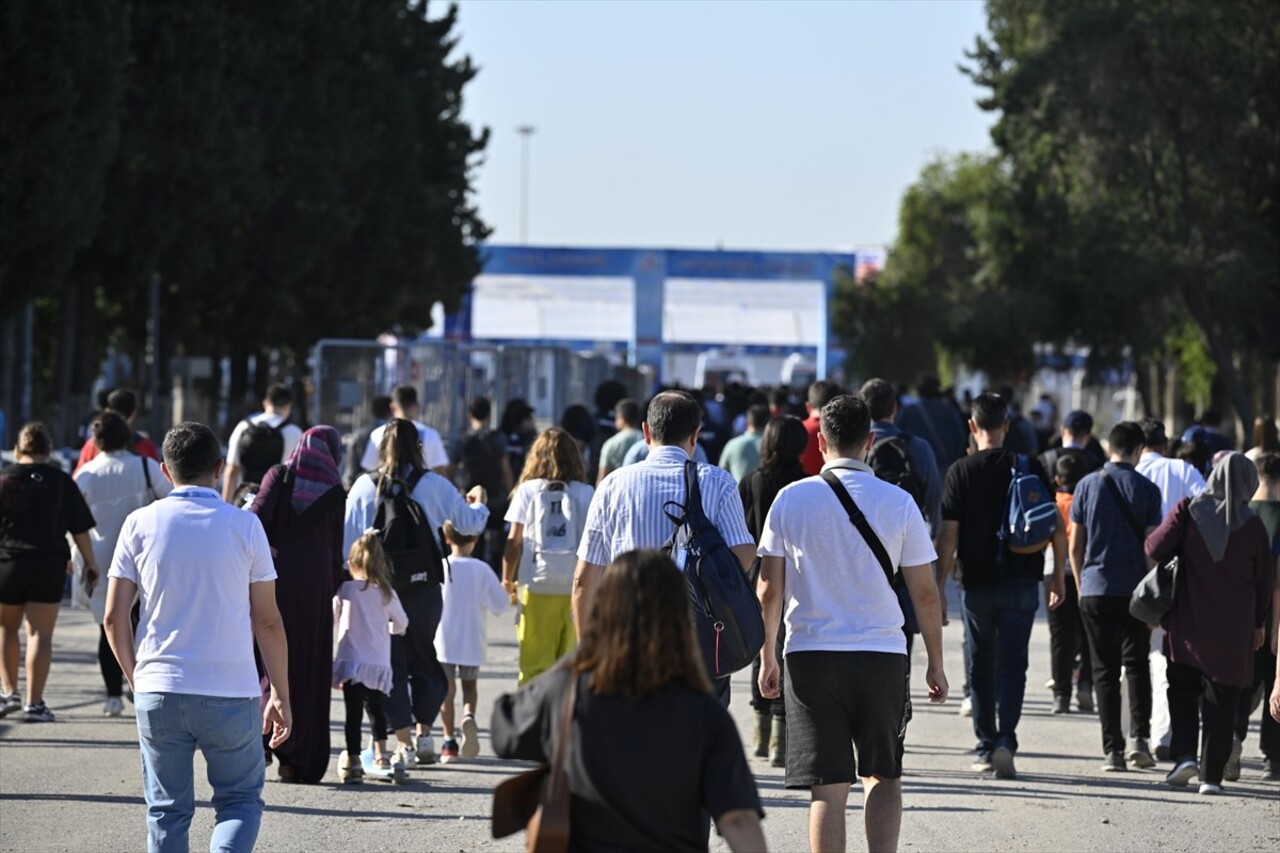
1224	505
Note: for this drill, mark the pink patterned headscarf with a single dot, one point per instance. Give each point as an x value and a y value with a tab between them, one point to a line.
315	465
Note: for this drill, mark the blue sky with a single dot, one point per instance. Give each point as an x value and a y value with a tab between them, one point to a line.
751	125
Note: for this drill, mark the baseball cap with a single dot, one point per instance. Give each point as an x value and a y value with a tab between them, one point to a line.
1078	421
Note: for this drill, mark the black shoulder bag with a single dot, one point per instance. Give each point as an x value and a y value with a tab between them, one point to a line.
859	520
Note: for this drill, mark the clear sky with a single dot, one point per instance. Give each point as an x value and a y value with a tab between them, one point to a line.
747	125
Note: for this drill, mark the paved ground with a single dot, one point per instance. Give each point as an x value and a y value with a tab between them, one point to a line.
75	785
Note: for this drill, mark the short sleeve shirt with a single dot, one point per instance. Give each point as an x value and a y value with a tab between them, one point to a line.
1113	559
291	434
39	505
614	452
433	452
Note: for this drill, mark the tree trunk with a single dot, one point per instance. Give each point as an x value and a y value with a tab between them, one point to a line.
1202	315
67	340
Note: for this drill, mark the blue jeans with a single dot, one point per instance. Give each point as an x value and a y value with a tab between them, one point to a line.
171	726
997	629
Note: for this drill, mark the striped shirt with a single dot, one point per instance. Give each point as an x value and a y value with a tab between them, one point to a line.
627	511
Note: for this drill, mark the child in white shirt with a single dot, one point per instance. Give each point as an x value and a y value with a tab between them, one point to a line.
367	612
470	588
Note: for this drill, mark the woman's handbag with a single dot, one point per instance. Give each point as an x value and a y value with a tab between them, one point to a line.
538	800
1152	598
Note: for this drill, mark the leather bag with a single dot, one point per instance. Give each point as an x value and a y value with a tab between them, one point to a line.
537	800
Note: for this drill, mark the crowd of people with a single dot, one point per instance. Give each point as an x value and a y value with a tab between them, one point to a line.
235	591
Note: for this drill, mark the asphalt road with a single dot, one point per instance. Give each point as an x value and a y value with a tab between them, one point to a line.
74	785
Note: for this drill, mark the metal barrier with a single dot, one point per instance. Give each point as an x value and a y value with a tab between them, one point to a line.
348	374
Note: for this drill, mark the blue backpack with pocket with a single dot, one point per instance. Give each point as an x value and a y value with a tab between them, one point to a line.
1030	512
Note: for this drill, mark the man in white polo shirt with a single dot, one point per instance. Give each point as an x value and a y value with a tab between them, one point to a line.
846	653
404	404
203	576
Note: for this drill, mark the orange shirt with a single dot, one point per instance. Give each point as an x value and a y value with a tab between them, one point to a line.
1064	499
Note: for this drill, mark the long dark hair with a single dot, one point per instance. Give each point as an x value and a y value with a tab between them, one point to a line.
639	635
401	448
781	446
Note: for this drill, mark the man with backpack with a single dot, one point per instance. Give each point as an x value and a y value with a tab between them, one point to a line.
830	549
905	460
1114	510
998	515
631	508
261	441
480	459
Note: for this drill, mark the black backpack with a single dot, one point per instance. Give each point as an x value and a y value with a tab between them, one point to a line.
260	447
726	613
891	462
406	533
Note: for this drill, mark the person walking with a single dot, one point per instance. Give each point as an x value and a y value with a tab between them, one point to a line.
481	460
114	483
629	509
846	653
547	514
39	506
201	572
1266	504
1114	510
301	507
518	427
627	417
1000	588
380	408
781	449
638	671
419	684
367	612
261	441
470	589
123	402
1068	643
741	455
405	406
1226	573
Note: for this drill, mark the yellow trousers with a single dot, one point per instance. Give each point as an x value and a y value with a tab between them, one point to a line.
545	632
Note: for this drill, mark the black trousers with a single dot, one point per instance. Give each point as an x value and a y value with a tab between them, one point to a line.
1264	677
1067	641
1116	639
418	683
1192	697
357	698
112	675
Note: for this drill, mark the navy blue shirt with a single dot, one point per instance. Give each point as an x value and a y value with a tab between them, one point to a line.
925	466
1114	561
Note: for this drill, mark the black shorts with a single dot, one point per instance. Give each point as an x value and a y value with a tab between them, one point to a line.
839	702
36	578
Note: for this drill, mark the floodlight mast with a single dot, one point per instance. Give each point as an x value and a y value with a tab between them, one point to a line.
526	134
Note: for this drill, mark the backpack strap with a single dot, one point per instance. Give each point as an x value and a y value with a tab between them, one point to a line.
859	521
411	482
1134	524
146	475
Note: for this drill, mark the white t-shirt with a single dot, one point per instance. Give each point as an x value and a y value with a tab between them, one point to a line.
291	433
836	597
433	452
193	557
114	485
1176	478
470	588
520	511
439	499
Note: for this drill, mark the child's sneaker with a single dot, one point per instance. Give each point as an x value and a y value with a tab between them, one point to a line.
400	760
449	752
10	703
350	771
37	713
470	737
426	751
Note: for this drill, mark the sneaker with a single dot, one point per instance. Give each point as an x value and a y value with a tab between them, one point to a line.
37	713
470	737
400	761
1084	699
350	771
9	703
1002	760
1231	772
449	751
1114	763
966	707
1062	704
1210	790
425	753
983	763
1183	773
1050	684
1140	755
113	707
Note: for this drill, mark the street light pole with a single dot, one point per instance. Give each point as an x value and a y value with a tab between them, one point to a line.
525	131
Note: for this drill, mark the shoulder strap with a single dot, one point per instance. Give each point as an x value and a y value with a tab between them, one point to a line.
146	475
411	482
860	521
565	731
692	491
1134	524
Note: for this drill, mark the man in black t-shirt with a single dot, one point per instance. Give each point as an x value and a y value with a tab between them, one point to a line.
480	459
1001	588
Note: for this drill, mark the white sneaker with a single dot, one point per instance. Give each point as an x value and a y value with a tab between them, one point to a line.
113	707
966	707
426	750
1210	790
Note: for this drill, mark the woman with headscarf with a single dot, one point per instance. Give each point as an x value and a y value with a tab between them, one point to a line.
1218	620
301	505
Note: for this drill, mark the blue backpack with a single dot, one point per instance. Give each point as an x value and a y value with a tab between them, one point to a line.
1030	513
